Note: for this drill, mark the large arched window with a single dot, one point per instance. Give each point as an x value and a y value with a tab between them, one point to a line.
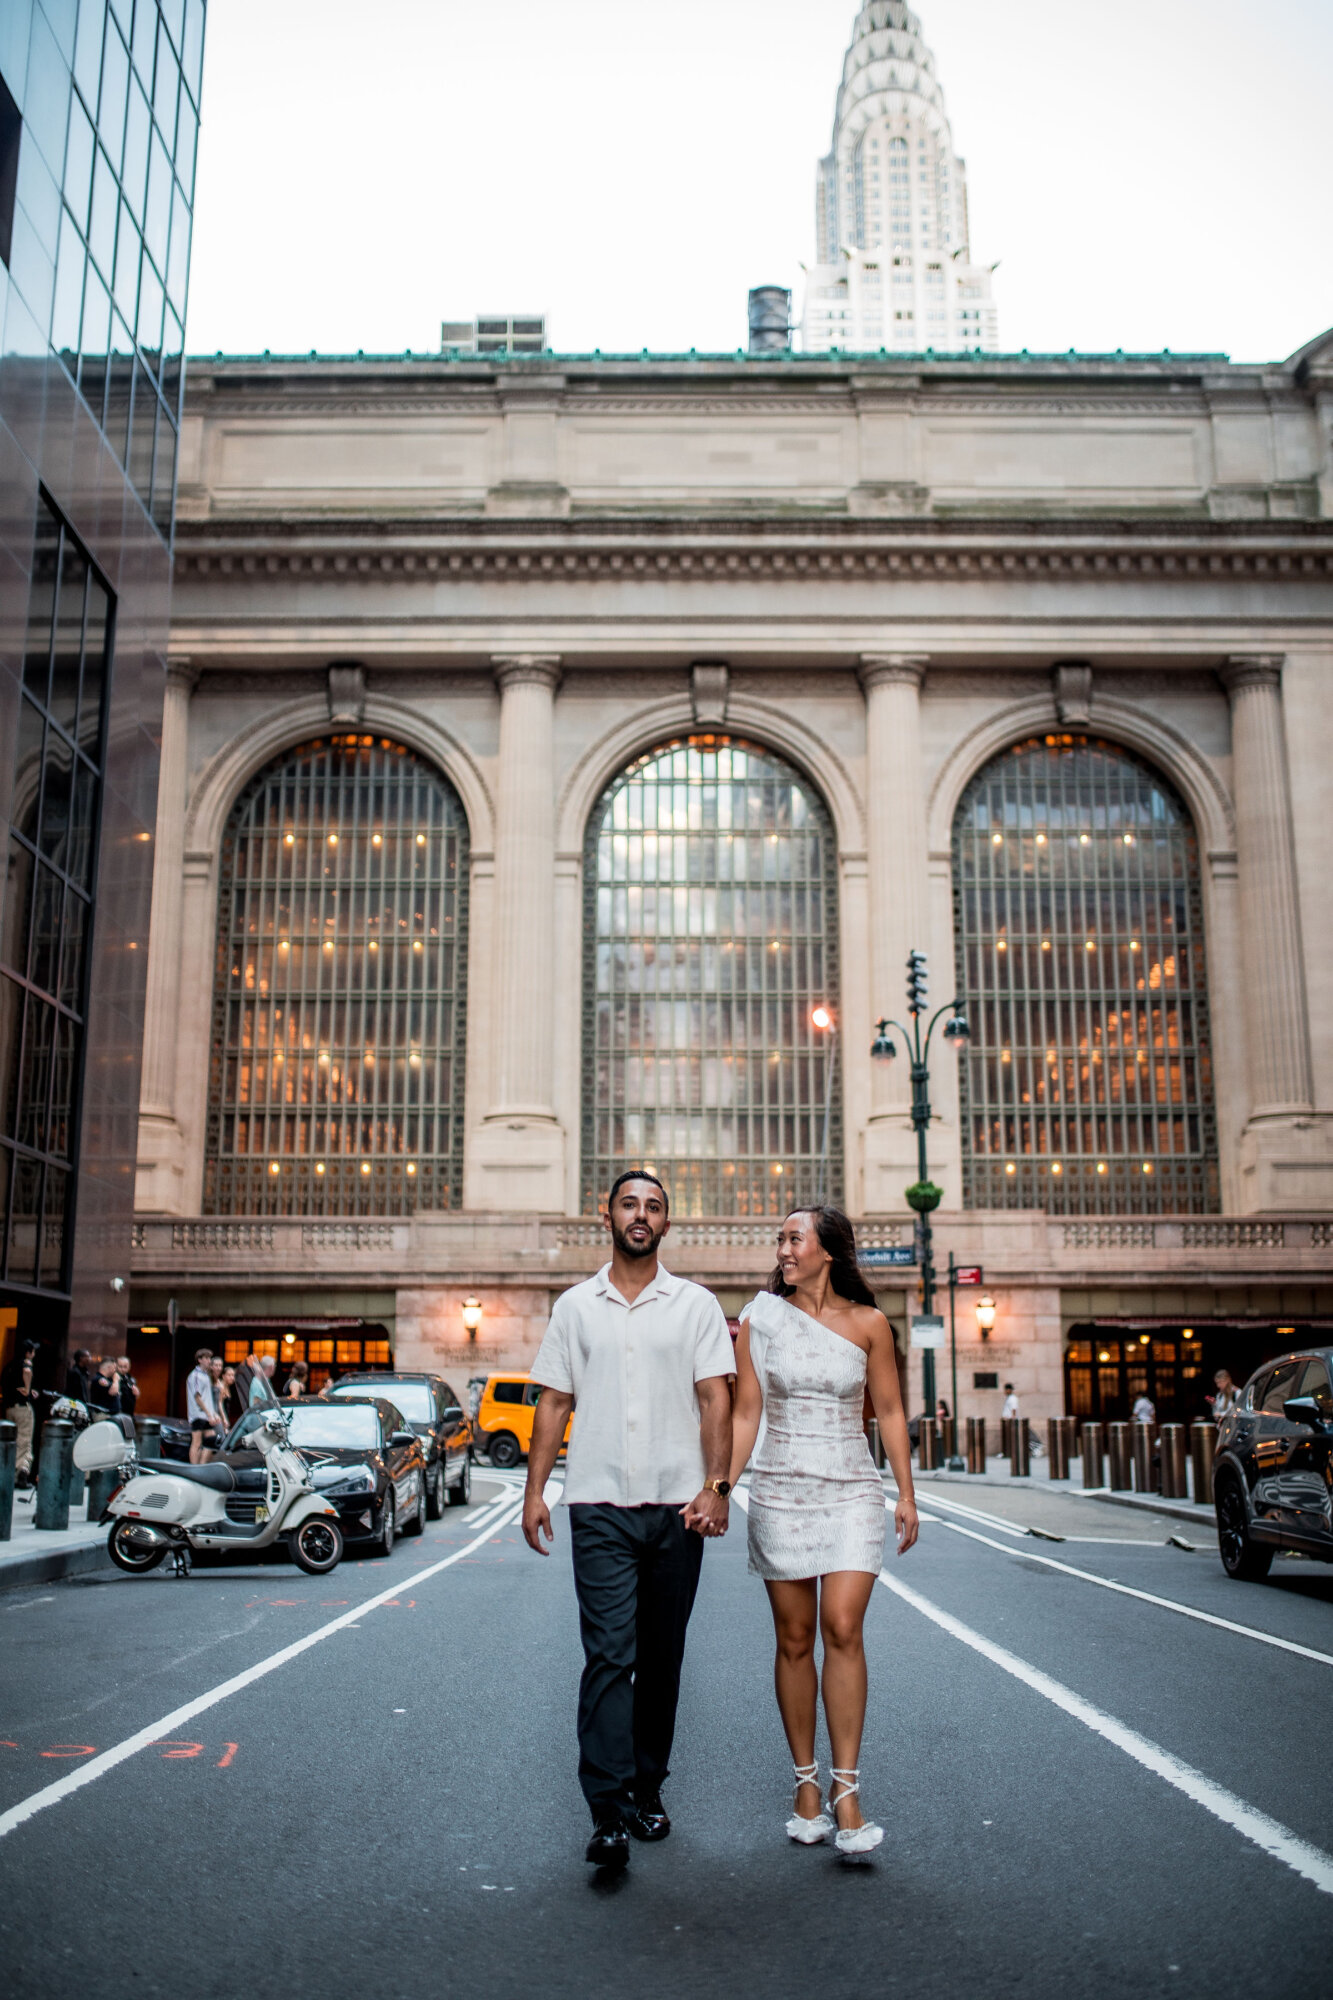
710	937
1087	1087
338	1013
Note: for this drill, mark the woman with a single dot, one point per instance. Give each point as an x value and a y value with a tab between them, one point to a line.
223	1378
809	1350
297	1380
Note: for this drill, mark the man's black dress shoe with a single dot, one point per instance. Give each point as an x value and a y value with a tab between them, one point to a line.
609	1846
646	1818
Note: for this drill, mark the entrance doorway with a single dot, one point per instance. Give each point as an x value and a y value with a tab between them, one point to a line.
1109	1366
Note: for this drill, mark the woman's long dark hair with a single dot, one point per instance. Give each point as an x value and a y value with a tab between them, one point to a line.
837	1236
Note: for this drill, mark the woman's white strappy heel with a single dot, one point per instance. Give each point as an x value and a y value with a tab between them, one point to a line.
852	1839
808	1831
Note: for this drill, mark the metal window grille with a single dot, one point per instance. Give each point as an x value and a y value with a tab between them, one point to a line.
336	1085
51	871
710	933
1087	1087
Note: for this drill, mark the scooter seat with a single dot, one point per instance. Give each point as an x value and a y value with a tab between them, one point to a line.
220	1477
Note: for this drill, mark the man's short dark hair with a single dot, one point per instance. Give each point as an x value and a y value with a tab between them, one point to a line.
638	1174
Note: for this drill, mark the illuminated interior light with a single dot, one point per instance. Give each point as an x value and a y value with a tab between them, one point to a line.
273	1167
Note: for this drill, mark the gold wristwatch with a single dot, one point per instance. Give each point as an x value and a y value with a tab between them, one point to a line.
719	1486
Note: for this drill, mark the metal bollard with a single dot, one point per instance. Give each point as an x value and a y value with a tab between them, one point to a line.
1020	1459
101	1485
1006	1437
1174	1483
876	1442
76	1485
1071	1430
148	1432
976	1444
1203	1444
1057	1447
1094	1452
55	1466
928	1446
1119	1451
1144	1441
9	1453
947	1433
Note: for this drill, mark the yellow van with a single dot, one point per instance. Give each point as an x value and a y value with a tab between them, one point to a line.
505	1416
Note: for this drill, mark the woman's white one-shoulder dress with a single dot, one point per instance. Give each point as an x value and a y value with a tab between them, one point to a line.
816	1500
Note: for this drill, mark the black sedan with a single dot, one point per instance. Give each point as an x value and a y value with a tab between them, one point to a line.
433	1411
1273	1471
367	1460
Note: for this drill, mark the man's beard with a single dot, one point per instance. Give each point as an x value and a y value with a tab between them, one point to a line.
640	1249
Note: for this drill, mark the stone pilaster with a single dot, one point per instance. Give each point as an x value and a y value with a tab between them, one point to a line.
1282	1145
159	1165
520	1147
897	866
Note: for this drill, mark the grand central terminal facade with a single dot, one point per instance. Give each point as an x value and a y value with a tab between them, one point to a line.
550	744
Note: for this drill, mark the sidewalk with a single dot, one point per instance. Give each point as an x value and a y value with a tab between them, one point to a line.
33	1556
997	1473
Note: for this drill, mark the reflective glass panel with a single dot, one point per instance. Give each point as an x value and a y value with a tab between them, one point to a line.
338	1023
1087	1087
710	934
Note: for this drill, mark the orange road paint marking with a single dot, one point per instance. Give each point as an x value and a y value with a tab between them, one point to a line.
69	1750
177	1747
5	1744
225	1759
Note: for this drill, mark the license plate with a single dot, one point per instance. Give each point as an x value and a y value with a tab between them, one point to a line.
261	1513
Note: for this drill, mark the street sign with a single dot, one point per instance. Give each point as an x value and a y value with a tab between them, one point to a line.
927	1331
967	1274
888	1256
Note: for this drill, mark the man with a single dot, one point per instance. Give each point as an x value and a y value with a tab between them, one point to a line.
270	1368
129	1388
1227	1396
18	1400
1010	1401
644	1359
199	1411
78	1376
104	1389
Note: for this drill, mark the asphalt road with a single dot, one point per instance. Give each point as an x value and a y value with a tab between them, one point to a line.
1086	1791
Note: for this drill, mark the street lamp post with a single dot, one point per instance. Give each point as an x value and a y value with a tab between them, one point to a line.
924	1197
823	1022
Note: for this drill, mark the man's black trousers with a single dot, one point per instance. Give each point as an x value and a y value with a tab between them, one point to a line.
636	1570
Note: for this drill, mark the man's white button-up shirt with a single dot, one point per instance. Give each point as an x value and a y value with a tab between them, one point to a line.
631	1370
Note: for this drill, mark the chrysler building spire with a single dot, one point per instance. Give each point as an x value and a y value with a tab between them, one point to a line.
894	265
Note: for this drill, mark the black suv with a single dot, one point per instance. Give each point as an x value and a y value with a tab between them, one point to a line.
433	1411
1273	1473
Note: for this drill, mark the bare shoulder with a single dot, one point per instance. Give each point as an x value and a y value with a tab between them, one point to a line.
871	1324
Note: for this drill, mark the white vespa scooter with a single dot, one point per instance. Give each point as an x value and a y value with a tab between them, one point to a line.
165	1508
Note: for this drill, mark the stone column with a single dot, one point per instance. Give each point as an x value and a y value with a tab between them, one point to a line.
1278	1032
520	1151
897	865
159	1135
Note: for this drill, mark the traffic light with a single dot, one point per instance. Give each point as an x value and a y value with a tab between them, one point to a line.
916	982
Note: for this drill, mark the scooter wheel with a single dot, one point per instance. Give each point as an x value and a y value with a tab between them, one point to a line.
130	1554
317	1545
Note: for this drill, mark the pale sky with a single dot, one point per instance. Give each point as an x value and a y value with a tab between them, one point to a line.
1148	173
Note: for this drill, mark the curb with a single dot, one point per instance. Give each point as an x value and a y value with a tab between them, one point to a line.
52	1564
1137	1503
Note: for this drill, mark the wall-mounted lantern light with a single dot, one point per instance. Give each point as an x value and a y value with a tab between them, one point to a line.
472	1312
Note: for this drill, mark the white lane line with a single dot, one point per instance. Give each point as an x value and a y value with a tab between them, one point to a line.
937	1499
1309	1862
1144	1596
167	1725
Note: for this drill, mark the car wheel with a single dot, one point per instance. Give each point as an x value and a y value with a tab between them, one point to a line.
384	1544
418	1526
131	1553
504	1450
317	1545
1246	1560
435	1494
461	1494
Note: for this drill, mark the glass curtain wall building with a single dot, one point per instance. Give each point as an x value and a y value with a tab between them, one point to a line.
99	120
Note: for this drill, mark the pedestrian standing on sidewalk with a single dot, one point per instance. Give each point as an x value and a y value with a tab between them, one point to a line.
1010	1401
79	1375
104	1389
1227	1396
1144	1410
129	1388
297	1380
200	1410
18	1399
645	1360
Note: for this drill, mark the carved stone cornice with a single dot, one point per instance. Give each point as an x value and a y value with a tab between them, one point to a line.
893	669
724	551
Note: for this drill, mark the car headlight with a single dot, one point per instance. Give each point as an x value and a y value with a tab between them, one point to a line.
336	1479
